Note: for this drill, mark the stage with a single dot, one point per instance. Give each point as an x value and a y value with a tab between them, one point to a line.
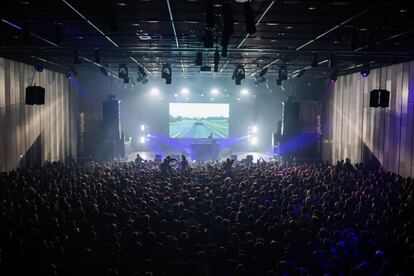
147	155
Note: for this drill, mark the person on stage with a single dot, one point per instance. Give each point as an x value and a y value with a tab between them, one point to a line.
139	159
183	165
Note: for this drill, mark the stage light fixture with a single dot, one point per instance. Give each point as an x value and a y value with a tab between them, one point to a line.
154	91
244	92
283	74
166	73
254	140
39	68
334	76
366	69
315	60
69	76
185	91
214	91
239	74
255	129
142	127
199	59
216	60
142	139
249	18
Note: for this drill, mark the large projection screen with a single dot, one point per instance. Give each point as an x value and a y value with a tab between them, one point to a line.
199	120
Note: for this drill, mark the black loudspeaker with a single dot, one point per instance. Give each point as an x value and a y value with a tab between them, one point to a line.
35	95
111	119
374	98
379	98
384	98
290	120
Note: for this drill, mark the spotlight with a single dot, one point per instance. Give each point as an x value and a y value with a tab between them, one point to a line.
123	72
244	92
249	17
97	56
254	140
334	76
39	68
216	60
315	61
255	129
185	91
239	74
142	139
365	70
142	127
214	91
199	59
154	91
76	59
283	73
166	73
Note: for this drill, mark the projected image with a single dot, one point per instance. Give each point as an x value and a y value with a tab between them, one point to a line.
199	120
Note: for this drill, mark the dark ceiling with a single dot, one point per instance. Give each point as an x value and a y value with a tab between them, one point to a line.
288	33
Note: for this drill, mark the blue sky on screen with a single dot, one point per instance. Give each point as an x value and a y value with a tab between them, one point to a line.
199	110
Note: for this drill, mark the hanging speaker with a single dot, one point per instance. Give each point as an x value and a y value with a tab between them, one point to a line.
384	100
374	98
35	95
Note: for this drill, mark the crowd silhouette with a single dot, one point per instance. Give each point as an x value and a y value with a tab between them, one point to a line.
257	219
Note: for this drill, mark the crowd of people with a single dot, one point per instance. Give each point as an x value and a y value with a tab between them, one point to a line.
266	218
